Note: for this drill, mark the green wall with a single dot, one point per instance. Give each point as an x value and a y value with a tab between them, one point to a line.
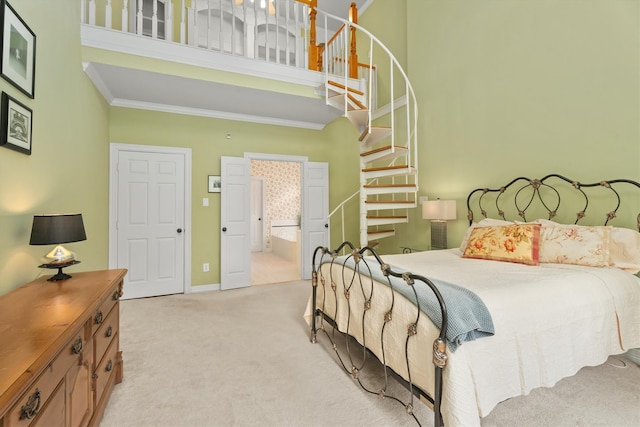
529	87
207	138
505	88
68	168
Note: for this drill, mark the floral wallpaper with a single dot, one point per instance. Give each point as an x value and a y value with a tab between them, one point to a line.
282	191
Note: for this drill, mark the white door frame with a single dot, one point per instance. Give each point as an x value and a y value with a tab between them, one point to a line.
114	149
284	158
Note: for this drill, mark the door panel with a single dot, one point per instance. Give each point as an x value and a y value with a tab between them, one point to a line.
235	232
315	212
150	220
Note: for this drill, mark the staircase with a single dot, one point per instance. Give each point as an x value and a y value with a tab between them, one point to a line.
387	135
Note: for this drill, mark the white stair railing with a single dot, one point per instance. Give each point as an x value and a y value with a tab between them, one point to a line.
400	115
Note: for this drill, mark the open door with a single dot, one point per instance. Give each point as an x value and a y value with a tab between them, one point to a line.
315	212
235	222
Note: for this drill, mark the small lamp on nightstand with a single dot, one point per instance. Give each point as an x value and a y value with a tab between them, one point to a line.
55	230
439	212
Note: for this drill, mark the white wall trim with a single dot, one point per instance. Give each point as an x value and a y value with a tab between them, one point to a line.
276	157
119	102
97	80
114	149
203	288
115	40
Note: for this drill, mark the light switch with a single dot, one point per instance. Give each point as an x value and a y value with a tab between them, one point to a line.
205	201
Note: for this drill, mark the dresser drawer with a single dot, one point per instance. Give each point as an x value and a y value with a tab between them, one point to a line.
106	370
106	333
105	308
42	390
54	414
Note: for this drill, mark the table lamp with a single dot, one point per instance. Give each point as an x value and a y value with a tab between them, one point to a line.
56	229
439	212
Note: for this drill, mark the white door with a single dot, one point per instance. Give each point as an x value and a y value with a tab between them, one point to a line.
150	222
235	232
257	213
315	212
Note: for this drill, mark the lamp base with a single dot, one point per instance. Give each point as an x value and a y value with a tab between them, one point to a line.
59	275
438	234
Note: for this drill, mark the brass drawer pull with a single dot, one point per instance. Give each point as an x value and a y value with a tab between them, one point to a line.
76	347
98	318
116	295
30	409
109	366
108	332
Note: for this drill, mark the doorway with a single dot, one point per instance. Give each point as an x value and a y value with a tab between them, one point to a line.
235	222
276	193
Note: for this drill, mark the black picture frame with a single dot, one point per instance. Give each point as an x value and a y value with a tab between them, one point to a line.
16	125
18	48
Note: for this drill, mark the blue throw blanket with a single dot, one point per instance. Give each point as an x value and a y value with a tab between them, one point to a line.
468	317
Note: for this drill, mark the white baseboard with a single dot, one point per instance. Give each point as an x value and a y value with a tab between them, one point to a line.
633	355
204	288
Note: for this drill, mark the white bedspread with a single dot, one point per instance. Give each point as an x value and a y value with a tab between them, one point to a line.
550	321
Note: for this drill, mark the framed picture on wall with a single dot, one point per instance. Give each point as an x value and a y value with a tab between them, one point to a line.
214	183
18	44
16	124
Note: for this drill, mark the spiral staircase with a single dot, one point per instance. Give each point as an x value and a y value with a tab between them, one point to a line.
387	135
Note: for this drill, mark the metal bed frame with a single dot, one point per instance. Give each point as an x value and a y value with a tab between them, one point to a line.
525	194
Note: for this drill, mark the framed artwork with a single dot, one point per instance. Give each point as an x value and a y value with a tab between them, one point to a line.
18	45
214	183
16	124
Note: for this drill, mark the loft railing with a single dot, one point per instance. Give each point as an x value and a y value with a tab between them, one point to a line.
270	30
280	31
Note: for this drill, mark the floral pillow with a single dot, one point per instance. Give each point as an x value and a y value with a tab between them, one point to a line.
514	243
482	223
575	244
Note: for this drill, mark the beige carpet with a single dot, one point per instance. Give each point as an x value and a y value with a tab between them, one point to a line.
243	358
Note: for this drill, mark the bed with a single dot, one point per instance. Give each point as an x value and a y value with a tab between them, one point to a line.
522	303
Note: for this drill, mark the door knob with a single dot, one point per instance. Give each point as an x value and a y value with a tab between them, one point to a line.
326	226
224	228
179	230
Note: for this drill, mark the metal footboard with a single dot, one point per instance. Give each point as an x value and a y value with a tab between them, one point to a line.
356	280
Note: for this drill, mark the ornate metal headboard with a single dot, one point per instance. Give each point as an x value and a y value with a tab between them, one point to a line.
529	199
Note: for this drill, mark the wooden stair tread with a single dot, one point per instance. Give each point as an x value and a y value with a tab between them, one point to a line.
373	129
343	87
386	168
390	230
353	104
377	150
390	201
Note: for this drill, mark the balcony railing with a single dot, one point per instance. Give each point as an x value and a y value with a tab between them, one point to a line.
274	31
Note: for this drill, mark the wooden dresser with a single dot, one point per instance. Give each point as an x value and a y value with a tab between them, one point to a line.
59	350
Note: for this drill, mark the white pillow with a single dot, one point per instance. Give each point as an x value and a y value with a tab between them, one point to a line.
575	244
625	249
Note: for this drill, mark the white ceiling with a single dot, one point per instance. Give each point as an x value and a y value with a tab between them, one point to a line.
154	90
